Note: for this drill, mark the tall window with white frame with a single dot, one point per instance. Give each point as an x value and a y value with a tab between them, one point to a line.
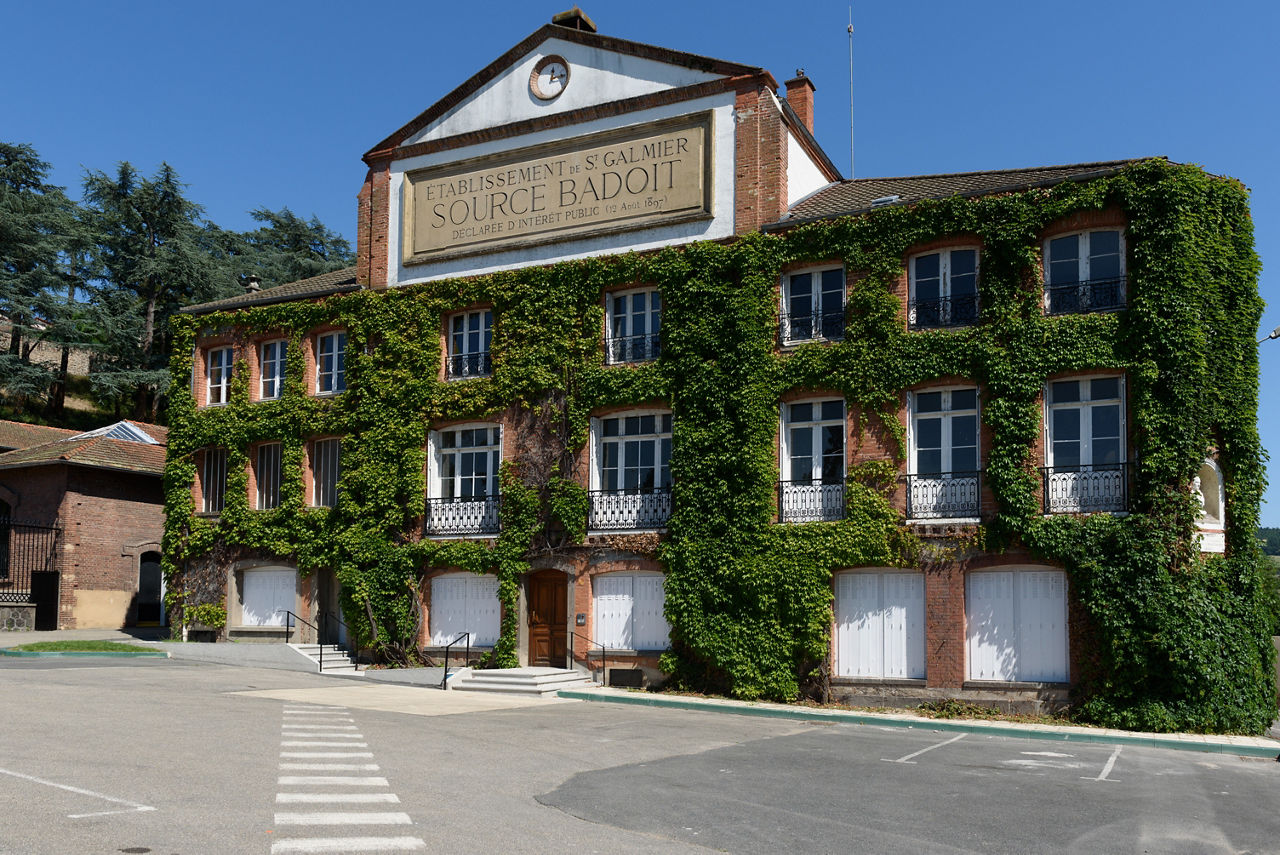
218	363
267	471
944	481
463	488
1085	272
944	289
213	481
326	464
631	486
470	335
634	322
1086	468
271	361
813	461
331	363
813	305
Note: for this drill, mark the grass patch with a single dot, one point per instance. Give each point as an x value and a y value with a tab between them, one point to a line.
82	647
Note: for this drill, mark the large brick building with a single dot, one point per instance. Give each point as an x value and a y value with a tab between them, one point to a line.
575	146
81	518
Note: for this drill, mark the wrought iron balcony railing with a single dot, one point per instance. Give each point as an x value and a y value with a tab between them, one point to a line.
472	515
1086	489
634	348
949	495
1096	295
614	510
810	501
810	327
943	312
460	366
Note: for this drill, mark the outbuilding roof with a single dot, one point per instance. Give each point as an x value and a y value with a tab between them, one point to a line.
97	449
20	435
335	282
856	195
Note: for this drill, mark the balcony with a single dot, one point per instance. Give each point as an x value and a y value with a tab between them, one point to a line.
628	510
943	312
1097	295
461	366
472	515
1102	487
809	501
951	495
811	327
635	348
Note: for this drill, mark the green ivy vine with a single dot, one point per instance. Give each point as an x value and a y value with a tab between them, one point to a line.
1180	640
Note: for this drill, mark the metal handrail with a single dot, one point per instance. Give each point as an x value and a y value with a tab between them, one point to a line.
444	681
288	631
604	654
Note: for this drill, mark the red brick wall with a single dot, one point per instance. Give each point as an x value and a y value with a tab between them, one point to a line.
373	226
35	494
760	155
103	515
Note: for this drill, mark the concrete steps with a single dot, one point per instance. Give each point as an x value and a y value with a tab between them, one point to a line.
527	682
336	658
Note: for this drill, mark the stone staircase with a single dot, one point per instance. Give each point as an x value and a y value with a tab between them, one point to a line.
527	682
336	658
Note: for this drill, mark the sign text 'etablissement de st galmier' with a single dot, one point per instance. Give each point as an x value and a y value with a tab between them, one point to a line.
604	182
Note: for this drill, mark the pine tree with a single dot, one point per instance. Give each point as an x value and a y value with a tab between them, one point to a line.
38	228
152	254
287	248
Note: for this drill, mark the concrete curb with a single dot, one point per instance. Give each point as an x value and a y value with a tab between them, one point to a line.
1244	746
126	653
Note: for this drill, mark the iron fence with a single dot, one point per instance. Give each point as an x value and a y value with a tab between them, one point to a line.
25	548
613	510
459	366
808	327
1095	295
1086	489
943	312
473	515
634	348
810	501
948	495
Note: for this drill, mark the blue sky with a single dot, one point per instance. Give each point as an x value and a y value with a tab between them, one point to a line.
272	103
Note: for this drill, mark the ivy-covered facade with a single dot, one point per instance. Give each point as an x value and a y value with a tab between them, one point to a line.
987	436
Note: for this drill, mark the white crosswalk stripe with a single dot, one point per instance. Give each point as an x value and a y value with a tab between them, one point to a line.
310	727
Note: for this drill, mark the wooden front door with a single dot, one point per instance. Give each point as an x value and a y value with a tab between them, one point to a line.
548	592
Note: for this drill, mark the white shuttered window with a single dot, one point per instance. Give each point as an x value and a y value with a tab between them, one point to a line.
880	625
629	611
465	602
1017	625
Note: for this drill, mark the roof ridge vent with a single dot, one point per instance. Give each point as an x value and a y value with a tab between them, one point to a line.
883	201
574	19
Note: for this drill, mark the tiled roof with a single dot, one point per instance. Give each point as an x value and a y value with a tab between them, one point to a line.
857	194
98	452
323	285
19	435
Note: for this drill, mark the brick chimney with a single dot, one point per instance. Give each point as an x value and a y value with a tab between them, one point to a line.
800	91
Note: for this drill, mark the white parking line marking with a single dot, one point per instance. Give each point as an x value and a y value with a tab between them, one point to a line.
326	735
337	798
1047	754
1106	770
306	743
330	767
316	712
342	818
298	755
328	780
131	807
907	758
348	844
287	726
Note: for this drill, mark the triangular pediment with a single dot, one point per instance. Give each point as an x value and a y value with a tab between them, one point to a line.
600	70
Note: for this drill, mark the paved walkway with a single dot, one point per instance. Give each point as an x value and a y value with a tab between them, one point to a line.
1250	746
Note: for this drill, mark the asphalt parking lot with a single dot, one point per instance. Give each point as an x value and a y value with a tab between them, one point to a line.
170	757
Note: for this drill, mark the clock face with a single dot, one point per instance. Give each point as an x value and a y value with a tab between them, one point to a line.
550	77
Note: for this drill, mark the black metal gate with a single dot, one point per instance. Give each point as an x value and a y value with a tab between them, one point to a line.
26	549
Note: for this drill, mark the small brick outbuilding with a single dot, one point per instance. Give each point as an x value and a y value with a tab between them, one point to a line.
81	517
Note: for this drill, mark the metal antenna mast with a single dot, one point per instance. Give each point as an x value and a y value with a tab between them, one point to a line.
851	92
